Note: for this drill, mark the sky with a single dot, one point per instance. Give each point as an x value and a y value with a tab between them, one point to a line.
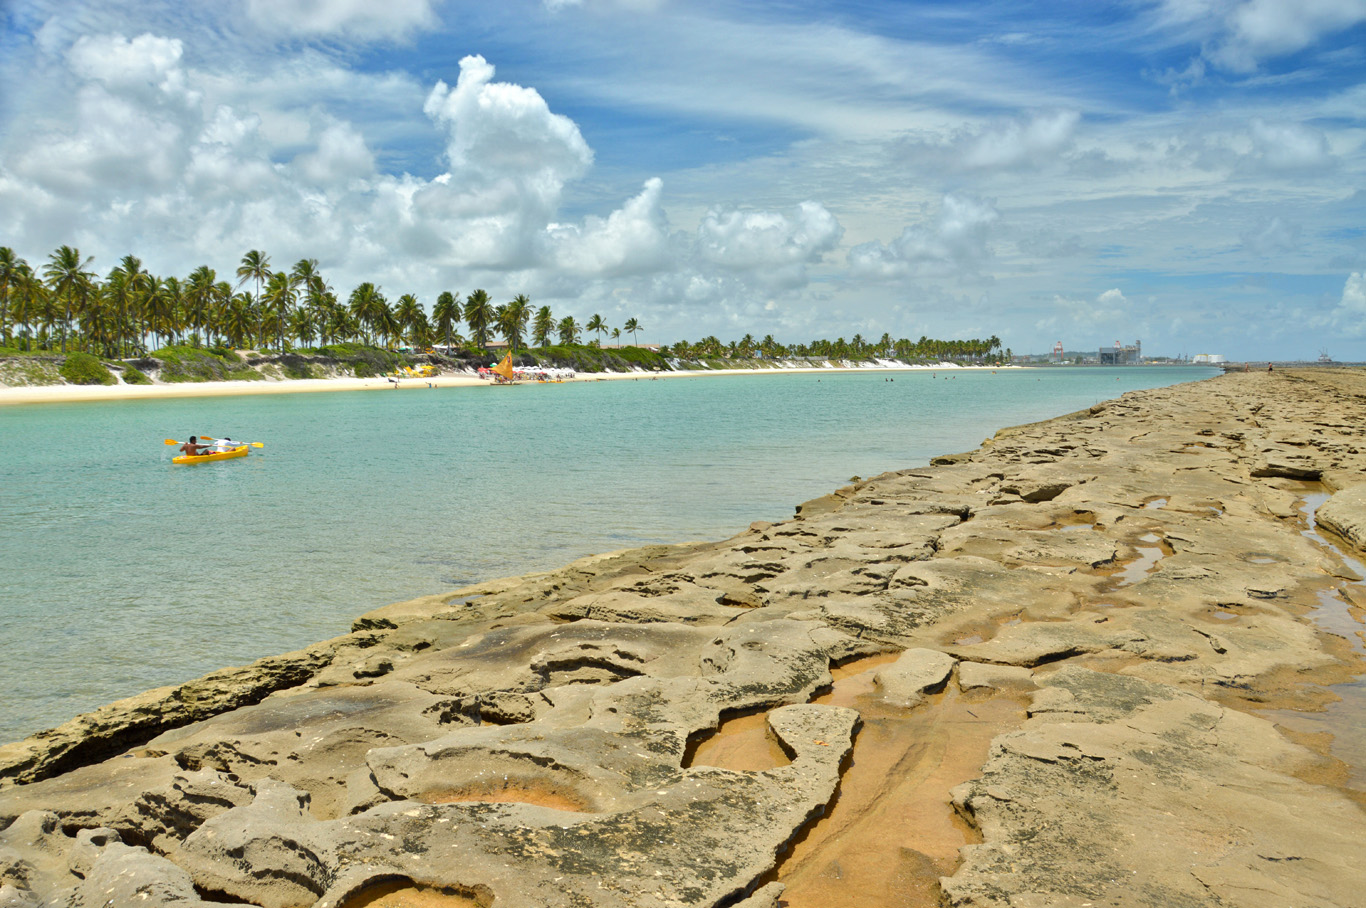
1188	173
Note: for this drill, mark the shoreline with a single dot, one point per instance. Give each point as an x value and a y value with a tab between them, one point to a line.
1113	599
48	394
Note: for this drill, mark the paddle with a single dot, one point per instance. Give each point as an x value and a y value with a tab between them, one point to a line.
254	444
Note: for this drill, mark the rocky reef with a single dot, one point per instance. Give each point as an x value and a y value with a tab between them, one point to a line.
1042	673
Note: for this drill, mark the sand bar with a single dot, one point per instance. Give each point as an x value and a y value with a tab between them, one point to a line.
1038	673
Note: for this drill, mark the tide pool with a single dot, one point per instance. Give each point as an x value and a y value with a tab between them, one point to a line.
122	572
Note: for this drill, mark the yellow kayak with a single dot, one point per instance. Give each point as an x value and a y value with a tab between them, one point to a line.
240	451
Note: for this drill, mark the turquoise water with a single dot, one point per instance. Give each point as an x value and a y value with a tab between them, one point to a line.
122	572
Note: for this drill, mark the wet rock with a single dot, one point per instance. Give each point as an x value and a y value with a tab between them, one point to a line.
1345	514
972	675
915	673
1078	805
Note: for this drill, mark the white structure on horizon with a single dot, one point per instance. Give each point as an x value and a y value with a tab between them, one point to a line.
1209	359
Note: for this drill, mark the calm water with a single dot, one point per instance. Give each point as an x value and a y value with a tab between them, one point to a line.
120	572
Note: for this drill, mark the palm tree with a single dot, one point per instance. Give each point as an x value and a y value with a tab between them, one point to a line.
412	318
281	293
386	323
479	315
512	319
447	315
26	300
596	324
139	288
303	326
632	326
365	304
543	326
569	330
255	266
315	289
239	322
69	281
9	283
199	295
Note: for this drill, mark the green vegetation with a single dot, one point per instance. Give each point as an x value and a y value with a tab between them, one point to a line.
84	369
29	371
364	362
594	359
63	304
132	375
192	364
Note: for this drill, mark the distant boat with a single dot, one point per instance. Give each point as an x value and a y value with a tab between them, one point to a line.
1324	357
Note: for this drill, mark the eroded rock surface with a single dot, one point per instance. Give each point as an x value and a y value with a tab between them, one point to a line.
1139	571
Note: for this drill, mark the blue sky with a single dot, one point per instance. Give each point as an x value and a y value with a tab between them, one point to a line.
1191	173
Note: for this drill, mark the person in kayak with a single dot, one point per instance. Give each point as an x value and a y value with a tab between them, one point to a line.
224	444
193	448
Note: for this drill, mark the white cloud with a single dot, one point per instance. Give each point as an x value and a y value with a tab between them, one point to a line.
771	247
631	240
341	155
145	61
954	244
501	132
1289	146
363	20
1354	292
1113	299
1240	34
1016	143
1109	312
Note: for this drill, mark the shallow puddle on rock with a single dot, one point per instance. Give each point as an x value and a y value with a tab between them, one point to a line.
1344	721
745	743
405	894
520	791
1156	504
1144	564
742	743
892	832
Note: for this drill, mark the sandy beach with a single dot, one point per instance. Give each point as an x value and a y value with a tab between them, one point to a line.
1078	665
11	396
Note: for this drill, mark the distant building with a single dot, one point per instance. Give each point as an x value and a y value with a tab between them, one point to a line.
1209	359
1119	355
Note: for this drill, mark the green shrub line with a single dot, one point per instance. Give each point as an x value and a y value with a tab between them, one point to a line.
132	375
182	363
84	369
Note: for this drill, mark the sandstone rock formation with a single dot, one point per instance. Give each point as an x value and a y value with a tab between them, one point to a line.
1115	599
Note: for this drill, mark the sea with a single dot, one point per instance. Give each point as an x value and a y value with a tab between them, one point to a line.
121	572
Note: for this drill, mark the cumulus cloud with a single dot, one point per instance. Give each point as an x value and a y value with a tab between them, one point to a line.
632	240
954	244
1351	310
355	19
1108	311
1009	144
774	247
1289	146
339	156
1016	143
1240	34
147	61
509	158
